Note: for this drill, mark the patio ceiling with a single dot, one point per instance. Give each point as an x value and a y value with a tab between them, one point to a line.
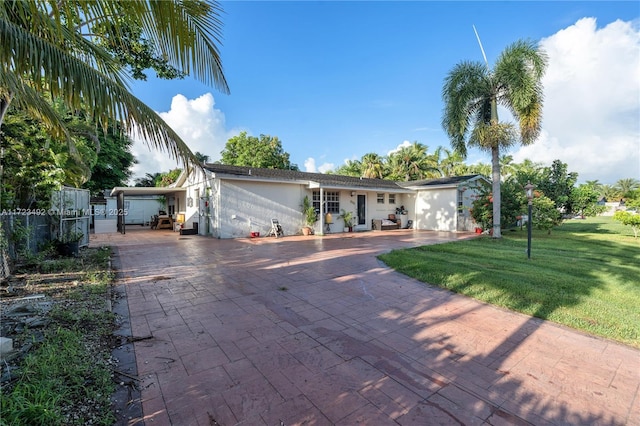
134	190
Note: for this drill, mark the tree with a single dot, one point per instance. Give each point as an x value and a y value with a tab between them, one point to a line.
584	199
557	183
452	164
350	168
545	214
625	187
264	152
114	161
49	47
472	93
412	163
372	166
628	219
149	180
202	158
166	179
35	164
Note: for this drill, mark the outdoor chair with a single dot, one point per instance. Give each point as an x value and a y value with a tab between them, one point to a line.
276	229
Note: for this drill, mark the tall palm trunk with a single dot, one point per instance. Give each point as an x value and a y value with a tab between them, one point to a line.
495	173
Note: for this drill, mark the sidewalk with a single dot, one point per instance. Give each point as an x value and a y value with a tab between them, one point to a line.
317	331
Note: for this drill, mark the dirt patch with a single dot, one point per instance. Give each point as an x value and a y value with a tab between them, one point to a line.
77	294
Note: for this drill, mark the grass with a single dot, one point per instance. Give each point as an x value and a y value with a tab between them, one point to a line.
584	275
66	378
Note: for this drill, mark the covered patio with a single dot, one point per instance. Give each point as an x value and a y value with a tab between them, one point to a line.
121	192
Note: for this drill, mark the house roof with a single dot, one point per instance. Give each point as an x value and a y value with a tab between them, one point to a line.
312	179
445	182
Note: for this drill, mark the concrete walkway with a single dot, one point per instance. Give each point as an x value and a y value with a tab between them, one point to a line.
317	331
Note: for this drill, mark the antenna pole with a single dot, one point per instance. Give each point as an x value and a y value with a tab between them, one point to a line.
481	48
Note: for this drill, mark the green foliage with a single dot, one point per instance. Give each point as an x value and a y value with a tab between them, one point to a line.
513	204
472	93
57	372
347	218
70	367
265	152
545	215
350	168
584	276
308	211
166	179
114	161
584	199
557	184
628	219
122	36
626	187
83	51
149	180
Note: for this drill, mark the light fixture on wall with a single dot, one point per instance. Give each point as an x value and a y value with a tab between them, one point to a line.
353	193
189	202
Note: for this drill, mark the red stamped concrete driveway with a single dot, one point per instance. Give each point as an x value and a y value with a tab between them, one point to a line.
317	331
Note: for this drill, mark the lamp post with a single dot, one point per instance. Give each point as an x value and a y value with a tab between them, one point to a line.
528	188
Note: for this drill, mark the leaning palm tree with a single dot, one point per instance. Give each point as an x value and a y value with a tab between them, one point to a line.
472	93
48	50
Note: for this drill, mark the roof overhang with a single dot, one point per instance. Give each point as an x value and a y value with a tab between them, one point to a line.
134	190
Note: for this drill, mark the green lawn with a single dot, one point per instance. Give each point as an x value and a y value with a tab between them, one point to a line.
585	275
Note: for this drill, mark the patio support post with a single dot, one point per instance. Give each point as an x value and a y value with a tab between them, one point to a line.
322	212
120	208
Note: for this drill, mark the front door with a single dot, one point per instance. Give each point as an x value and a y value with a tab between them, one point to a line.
362	209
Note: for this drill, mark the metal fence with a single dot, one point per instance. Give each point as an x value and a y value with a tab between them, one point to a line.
26	232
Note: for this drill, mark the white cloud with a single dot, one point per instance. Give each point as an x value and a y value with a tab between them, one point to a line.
591	111
197	122
310	166
404	144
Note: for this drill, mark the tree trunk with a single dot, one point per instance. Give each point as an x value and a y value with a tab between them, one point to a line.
4	106
495	175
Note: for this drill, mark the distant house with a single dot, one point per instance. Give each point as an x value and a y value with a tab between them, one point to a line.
232	201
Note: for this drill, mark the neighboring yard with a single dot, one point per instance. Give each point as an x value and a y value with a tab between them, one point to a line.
585	275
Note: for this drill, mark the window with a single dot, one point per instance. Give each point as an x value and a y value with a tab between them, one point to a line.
392	198
380	198
332	198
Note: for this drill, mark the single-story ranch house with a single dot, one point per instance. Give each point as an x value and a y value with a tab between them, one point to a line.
232	201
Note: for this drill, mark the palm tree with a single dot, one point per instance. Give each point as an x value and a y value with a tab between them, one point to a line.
626	186
47	49
372	166
412	163
202	158
451	165
349	168
609	192
472	93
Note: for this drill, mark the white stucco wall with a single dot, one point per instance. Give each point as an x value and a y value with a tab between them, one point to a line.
138	209
436	209
247	207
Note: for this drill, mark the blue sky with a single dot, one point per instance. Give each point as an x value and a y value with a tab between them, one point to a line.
336	80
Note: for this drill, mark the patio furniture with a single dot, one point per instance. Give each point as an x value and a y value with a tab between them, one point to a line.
165	222
384	225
